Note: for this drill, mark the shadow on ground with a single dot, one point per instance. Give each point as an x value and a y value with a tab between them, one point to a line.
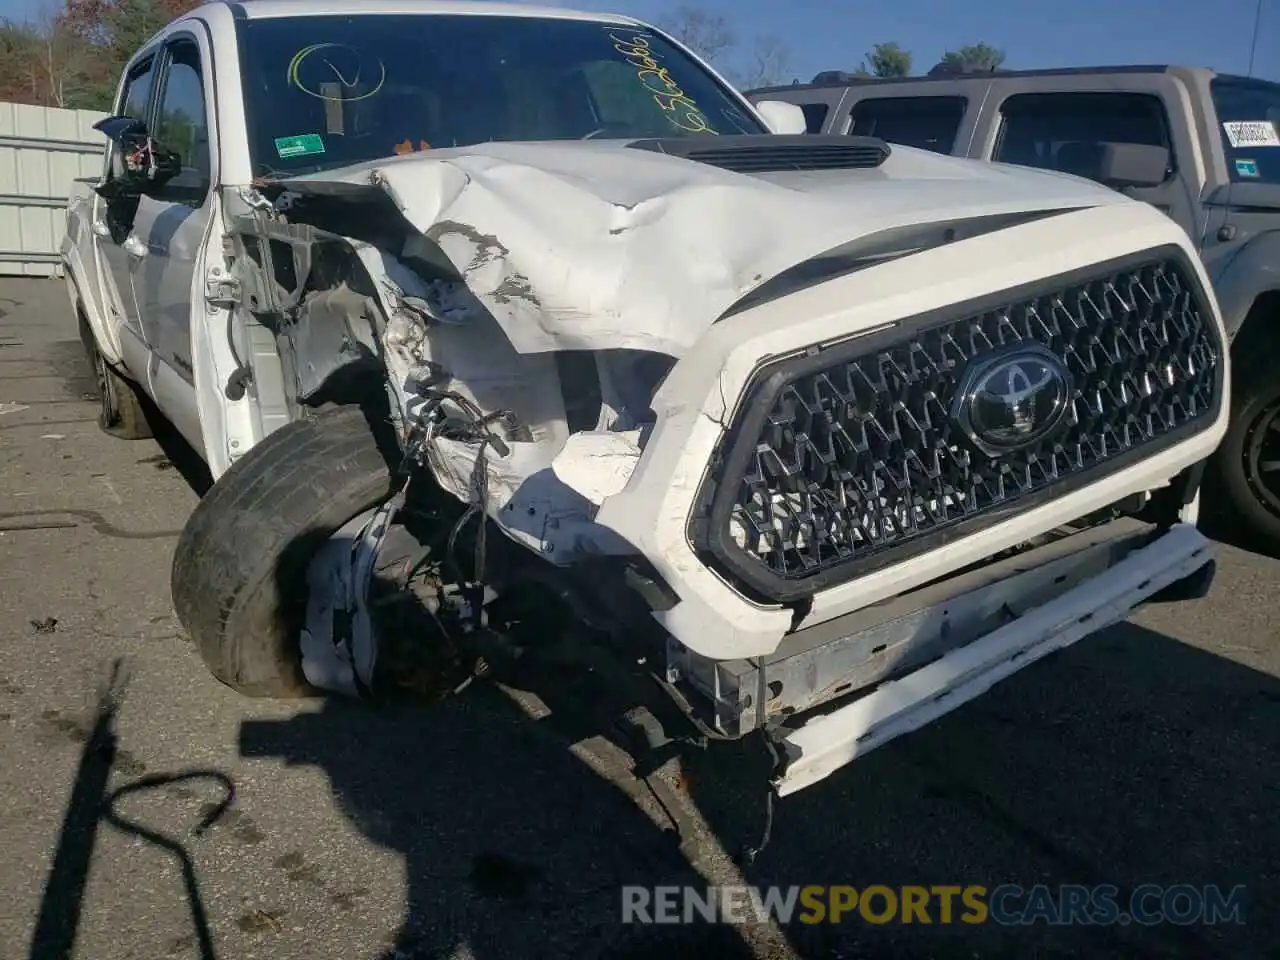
1129	759
1222	525
177	454
91	806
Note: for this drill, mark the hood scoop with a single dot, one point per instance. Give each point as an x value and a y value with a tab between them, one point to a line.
767	153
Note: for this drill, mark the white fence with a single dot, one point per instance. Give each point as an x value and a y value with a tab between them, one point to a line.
42	152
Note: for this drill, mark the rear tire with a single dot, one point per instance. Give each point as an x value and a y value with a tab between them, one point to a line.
121	411
240	567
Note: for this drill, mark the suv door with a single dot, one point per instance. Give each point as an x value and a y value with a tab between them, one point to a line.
173	220
113	221
1064	130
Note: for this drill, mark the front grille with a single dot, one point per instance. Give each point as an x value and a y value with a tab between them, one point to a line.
857	455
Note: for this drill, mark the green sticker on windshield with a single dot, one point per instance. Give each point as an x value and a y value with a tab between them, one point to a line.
300	146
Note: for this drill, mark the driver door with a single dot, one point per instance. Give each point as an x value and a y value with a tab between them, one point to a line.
173	219
116	245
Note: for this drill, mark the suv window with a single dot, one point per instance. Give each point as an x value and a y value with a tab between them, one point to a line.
930	123
1249	124
815	115
137	90
1066	131
182	125
133	103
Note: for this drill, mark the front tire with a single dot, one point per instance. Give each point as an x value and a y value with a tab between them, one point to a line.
1247	463
240	567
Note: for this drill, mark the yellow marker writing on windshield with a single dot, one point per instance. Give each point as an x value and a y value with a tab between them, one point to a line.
295	66
687	115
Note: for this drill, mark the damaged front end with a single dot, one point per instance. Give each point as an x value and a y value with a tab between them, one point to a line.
732	442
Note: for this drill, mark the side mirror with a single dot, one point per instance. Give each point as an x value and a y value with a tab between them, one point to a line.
143	164
782	117
1124	165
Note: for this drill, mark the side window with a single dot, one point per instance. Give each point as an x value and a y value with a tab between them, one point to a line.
930	123
1066	131
1249	124
133	103
182	124
137	90
815	115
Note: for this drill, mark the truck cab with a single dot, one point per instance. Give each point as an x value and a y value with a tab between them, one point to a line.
141	263
1199	145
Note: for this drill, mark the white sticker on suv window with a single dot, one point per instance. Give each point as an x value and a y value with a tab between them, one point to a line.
1251	133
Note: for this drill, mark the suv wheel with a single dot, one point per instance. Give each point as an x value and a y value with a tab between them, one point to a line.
1248	461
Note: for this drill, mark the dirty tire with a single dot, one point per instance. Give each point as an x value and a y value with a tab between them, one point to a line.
1255	399
122	412
240	567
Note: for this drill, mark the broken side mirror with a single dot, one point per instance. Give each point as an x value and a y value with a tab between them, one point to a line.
142	165
1124	165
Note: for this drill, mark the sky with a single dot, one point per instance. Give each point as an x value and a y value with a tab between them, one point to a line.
824	35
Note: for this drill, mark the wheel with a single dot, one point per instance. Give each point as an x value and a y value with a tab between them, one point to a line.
240	566
1247	463
121	412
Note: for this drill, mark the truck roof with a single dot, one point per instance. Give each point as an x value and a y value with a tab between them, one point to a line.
264	9
833	78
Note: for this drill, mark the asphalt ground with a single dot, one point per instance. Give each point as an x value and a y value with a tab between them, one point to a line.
488	827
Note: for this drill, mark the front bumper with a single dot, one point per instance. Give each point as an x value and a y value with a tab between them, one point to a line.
829	741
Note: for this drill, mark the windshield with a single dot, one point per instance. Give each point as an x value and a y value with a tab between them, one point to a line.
323	92
1249	117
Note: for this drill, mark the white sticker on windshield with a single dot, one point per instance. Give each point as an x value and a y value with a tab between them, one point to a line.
1251	133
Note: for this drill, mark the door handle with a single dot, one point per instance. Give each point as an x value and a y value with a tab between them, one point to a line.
134	247
100	228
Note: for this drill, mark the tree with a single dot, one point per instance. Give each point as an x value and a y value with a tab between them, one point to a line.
119	23
19	76
768	65
974	58
43	61
886	60
706	34
71	54
711	37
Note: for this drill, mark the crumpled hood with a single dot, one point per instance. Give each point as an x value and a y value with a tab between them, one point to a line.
594	245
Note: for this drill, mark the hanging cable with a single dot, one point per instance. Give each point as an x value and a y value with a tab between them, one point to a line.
474	426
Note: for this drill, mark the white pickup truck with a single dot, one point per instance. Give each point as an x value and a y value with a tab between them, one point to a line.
528	322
